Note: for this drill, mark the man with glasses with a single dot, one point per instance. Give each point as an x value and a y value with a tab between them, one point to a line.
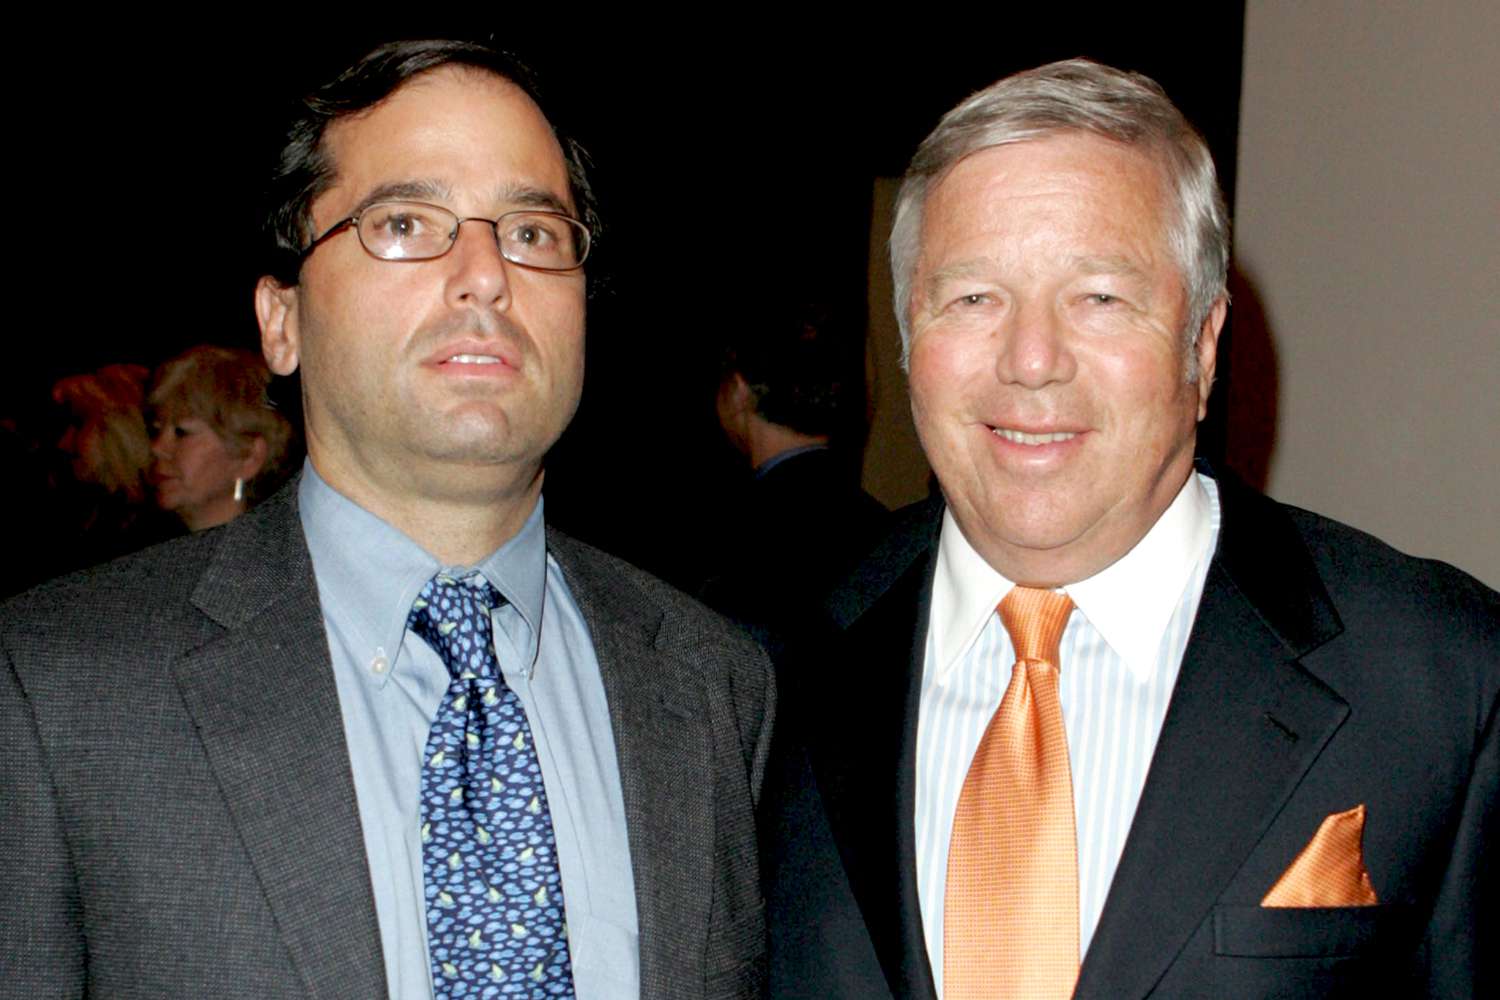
388	734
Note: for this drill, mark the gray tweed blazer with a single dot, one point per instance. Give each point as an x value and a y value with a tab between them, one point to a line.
179	816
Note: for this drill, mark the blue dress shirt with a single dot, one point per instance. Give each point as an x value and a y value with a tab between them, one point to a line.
390	684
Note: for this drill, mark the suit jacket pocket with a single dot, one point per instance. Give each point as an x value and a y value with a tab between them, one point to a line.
1270	932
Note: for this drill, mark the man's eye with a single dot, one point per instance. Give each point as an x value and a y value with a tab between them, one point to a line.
400	224
532	234
403	227
1103	299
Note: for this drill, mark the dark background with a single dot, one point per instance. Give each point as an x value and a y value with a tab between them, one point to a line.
734	163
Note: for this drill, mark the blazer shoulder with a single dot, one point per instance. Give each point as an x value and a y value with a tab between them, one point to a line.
1363	572
101	600
1340	579
1414	629
163	599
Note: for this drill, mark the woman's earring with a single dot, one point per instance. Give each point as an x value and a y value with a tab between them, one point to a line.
239	490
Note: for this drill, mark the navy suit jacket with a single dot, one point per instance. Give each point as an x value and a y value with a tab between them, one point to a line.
1324	670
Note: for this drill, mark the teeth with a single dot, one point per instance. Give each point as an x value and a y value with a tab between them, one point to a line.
474	359
1021	437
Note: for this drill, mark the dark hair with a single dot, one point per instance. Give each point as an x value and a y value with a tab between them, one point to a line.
802	365
305	169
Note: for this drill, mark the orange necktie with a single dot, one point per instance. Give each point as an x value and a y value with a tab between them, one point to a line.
1010	924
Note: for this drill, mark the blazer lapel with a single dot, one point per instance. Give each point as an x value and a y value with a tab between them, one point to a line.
862	739
657	710
263	697
1244	724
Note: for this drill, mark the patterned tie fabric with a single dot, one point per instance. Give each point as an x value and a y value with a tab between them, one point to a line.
495	917
1010	924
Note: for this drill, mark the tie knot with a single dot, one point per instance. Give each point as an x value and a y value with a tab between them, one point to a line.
1035	620
453	617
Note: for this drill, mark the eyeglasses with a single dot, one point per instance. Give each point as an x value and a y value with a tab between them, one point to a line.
413	230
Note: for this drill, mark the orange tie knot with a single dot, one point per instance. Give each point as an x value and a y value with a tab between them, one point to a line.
1035	620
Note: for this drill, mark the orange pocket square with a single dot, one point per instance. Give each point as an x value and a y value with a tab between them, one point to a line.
1330	871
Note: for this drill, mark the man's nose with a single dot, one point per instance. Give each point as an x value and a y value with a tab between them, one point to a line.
480	276
1035	348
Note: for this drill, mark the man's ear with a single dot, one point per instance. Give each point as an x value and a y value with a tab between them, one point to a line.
276	311
1207	349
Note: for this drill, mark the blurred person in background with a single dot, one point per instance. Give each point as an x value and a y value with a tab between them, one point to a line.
93	503
790	401
104	439
216	444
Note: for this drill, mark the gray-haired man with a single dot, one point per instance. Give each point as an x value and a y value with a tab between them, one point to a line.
1260	758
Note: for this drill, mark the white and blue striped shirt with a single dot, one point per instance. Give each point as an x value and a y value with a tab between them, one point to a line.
1119	660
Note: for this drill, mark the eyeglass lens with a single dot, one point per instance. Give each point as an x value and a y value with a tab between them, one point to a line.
417	231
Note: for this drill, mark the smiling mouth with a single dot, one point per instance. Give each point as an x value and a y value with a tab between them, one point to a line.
473	359
1022	437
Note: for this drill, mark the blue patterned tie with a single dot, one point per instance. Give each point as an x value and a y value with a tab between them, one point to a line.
495	924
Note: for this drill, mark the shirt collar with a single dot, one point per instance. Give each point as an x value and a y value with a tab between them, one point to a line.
369	572
1130	603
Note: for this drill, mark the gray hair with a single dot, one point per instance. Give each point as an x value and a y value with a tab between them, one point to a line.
1077	95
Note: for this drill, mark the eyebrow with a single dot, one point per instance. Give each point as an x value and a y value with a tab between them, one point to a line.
962	270
950	272
522	195
959	269
1090	264
410	190
1107	264
527	196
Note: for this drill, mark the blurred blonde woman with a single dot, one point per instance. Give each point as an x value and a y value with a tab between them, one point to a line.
217	446
96	504
104	438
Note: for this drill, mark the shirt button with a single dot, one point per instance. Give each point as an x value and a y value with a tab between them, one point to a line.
380	665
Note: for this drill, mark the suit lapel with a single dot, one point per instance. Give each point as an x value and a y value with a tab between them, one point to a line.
658	714
862	738
263	698
1244	724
